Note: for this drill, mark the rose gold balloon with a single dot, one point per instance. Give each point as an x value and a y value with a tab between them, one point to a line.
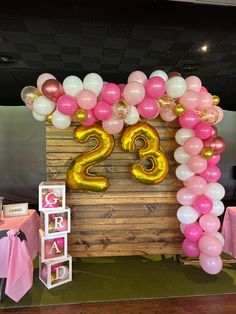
173	74
217	143
214	131
52	89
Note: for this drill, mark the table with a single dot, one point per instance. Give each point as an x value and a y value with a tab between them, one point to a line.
19	245
229	231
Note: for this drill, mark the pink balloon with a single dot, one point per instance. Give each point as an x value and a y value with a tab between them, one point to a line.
193	232
203	204
148	108
90	118
197	185
110	93
189	119
210	264
206	101
167	115
87	99
185	197
214	132
193	146
155	87
190	99
217	143
67	105
197	164
203	130
121	87
63	226
203	90
60	242
134	93
112	125
221	114
102	111
190	248
193	83
43	78
213	160
137	76
211	174
210	245
209	223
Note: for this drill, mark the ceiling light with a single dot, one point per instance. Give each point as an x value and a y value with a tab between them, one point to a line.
7	59
204	48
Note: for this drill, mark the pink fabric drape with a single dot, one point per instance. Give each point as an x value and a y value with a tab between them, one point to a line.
229	231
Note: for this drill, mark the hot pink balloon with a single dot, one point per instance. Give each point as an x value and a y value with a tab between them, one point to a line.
185	197
102	111
211	174
60	242
210	245
155	87
210	264
134	93
193	146
148	108
90	118
42	78
203	204
203	90
206	101
209	223
67	105
214	132
193	83
110	93
113	125
197	164
86	99
190	99
203	130
189	119
197	185
137	76
213	160
217	143
193	232
190	248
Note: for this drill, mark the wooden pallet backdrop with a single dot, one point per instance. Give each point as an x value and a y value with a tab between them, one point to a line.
130	218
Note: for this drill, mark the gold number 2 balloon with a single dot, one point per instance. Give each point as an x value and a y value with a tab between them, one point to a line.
78	176
151	150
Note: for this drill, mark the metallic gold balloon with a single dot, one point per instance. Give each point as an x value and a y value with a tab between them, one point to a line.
207	152
78	176
216	100
81	115
151	151
53	277
179	109
165	100
49	118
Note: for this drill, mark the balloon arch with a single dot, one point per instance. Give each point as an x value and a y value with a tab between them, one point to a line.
115	106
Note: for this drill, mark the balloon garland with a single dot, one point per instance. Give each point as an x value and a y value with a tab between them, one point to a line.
172	97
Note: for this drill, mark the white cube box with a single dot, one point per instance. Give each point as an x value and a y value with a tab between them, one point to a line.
52	247
52	195
55	273
55	222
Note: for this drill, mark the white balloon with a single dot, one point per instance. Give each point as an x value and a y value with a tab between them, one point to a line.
133	116
38	117
215	191
182	227
218	208
184	134
93	82
183	172
43	106
176	87
181	156
60	120
217	234
187	214
72	85
159	73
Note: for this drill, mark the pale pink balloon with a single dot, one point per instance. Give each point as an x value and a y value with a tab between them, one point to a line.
190	99
197	185
86	99
209	223
214	160
210	264
197	164
211	174
43	78
193	232
189	119
148	108
137	76
155	87
90	118
167	116
190	248
110	93
221	114
185	197
113	125
121	87
67	105
134	93
210	245
203	204
102	111
193	83
193	146
203	90
206	101
203	130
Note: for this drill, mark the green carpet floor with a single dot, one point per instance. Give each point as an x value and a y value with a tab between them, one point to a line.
122	278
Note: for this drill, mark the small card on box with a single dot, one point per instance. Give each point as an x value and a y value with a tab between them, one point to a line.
56	273
52	195
55	222
13	210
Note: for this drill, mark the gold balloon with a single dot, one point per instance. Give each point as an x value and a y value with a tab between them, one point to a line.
165	100
81	115
216	100
53	277
151	151
179	109
207	152
49	118
78	176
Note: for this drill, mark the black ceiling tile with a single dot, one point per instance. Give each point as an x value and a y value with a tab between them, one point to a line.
51	57
35	64
91	67
138	43
161	45
121	30
154	54
109	67
134	53
66	27
225	48
92	42
228	72
116	43
230	39
53	64
212	57
8	47
39	25
90	59
131	61
48	49
143	32
192	35
229	58
42	38
93	30
109	52
31	56
149	62
70	50
110	60
183	46
25	48
71	58
71	65
168	33
12	24
91	51
18	38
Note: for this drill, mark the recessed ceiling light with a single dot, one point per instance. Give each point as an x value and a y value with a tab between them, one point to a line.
204	48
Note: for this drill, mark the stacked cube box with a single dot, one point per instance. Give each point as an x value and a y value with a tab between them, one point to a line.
55	263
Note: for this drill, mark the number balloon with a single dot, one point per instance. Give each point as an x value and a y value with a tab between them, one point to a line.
78	176
151	150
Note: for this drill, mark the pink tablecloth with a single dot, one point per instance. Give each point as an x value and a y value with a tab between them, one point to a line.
229	231
16	255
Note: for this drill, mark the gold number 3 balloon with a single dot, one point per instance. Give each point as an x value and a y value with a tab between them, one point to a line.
78	176
151	150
